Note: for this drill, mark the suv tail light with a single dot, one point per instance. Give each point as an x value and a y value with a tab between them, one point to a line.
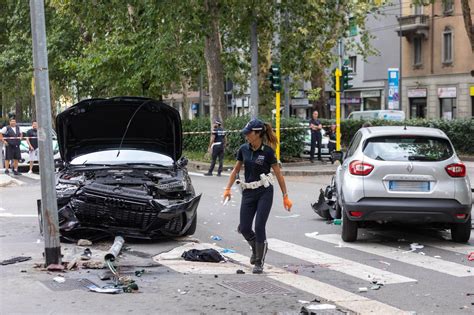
456	170
360	168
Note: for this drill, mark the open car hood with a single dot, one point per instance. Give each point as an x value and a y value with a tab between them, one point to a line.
99	124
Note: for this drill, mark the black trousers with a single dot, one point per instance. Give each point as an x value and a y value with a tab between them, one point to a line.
256	204
217	152
315	138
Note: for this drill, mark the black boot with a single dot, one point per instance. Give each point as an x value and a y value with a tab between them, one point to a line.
254	252
261	251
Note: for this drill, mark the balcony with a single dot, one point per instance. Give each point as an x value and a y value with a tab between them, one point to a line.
413	25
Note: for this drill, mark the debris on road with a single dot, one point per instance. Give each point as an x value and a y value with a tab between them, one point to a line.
337	221
240	272
86	255
130	288
108	290
310	309
55	267
375	287
228	251
203	255
139	273
59	279
15	260
363	289
384	262
303	302
216	238
311	235
414	247
84	242
470	257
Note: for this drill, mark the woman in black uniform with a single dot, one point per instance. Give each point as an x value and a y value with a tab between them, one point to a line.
258	156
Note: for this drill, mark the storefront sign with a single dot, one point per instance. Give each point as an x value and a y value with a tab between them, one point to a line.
353	100
393	95
414	93
299	102
447	92
373	93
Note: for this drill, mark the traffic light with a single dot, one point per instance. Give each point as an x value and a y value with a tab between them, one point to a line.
346	78
333	79
275	77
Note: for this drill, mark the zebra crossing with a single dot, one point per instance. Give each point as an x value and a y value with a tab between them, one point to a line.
344	298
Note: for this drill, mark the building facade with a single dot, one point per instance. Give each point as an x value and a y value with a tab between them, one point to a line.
438	63
370	75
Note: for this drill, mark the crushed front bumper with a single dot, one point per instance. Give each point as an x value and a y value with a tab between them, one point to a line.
129	215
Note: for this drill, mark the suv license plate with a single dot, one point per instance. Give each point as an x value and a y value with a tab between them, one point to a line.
394	185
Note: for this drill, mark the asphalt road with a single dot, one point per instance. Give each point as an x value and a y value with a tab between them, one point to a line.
435	279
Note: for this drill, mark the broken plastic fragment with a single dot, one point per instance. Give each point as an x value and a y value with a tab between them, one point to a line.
216	238
363	289
59	279
311	235
228	251
84	242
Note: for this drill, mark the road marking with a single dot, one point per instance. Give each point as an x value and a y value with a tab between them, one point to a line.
447	244
402	255
32	176
11	215
335	263
345	299
196	174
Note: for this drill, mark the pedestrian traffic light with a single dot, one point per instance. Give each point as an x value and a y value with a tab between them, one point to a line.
275	77
346	78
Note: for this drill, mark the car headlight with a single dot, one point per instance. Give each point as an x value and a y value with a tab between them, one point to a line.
175	185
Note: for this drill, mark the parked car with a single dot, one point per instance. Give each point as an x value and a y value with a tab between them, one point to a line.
307	145
396	115
123	171
403	174
24	148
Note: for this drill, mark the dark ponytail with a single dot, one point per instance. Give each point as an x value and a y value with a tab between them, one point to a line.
270	136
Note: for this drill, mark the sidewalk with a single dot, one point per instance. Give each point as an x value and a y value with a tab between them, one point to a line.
288	169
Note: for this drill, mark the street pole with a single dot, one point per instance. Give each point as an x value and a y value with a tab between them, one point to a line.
277	124
201	102
287	96
49	207
338	109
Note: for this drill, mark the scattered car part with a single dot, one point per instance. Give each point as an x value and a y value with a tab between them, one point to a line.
15	260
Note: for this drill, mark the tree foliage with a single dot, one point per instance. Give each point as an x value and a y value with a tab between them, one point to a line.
102	48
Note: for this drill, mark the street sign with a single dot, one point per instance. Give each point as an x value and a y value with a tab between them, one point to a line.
393	89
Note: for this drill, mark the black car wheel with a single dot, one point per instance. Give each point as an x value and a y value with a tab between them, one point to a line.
461	232
349	228
192	227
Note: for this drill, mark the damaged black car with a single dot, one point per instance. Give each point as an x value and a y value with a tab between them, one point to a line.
123	172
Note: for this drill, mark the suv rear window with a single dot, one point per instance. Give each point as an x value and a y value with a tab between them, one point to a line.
408	148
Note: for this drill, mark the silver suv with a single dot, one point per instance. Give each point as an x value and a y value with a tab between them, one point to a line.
403	174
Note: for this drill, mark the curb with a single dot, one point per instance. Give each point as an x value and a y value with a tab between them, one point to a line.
6	181
203	166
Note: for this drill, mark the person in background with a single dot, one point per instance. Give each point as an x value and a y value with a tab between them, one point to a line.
316	137
258	157
332	140
32	140
216	147
12	138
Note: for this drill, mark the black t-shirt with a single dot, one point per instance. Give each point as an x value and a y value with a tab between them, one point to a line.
256	162
219	134
315	122
33	133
